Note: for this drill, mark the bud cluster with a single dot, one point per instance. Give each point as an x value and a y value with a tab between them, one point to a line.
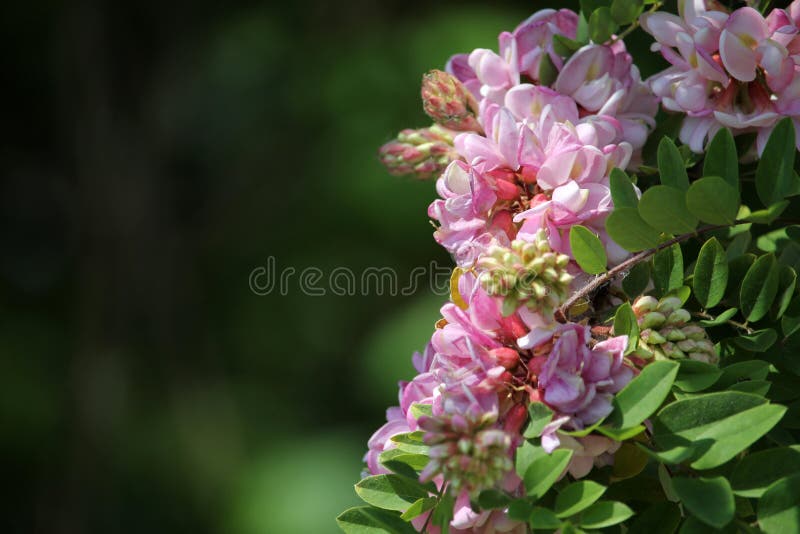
526	273
448	102
467	451
666	332
424	152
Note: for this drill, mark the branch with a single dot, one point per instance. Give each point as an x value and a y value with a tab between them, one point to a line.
561	312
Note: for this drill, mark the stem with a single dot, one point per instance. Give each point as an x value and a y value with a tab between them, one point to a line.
735	324
561	312
630	29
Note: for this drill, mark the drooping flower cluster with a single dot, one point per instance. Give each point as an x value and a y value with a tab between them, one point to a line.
535	136
728	69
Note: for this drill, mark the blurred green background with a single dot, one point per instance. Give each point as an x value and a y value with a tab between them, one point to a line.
152	156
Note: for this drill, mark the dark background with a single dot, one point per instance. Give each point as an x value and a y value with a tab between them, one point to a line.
153	155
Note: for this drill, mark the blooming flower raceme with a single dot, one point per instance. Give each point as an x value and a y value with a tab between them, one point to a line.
524	142
737	70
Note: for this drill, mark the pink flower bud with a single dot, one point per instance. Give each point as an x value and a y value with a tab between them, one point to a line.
448	102
424	153
515	418
505	356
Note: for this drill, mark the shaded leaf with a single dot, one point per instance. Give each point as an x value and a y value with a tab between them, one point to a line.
759	287
775	171
779	507
721	158
709	499
757	471
668	269
604	514
671	166
731	420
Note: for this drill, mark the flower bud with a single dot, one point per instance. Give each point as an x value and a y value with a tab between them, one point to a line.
505	357
424	153
448	102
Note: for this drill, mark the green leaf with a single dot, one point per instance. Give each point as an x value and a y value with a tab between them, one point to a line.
415	461
738	245
390	492
713	201
588	250
627	228
601	25
491	499
767	216
577	497
757	471
675	455
721	158
671	166
526	454
625	324
664	208
625	11
542	518
544	471
790	322
744	370
369	520
659	518
548	72
694	376
540	415
759	287
604	514
622	191
779	507
668	269
629	461
520	510
621	434
637	279
411	442
786	286
758	341
443	513
419	507
756	387
564	46
643	395
737	269
710	274
418	410
725	423
709	499
722	318
775	171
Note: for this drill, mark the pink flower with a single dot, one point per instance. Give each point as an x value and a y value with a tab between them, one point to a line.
579	381
588	452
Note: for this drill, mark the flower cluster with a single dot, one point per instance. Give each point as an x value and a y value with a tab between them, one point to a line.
734	69
535	136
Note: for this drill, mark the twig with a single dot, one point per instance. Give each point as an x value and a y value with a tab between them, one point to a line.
735	324
561	312
630	29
